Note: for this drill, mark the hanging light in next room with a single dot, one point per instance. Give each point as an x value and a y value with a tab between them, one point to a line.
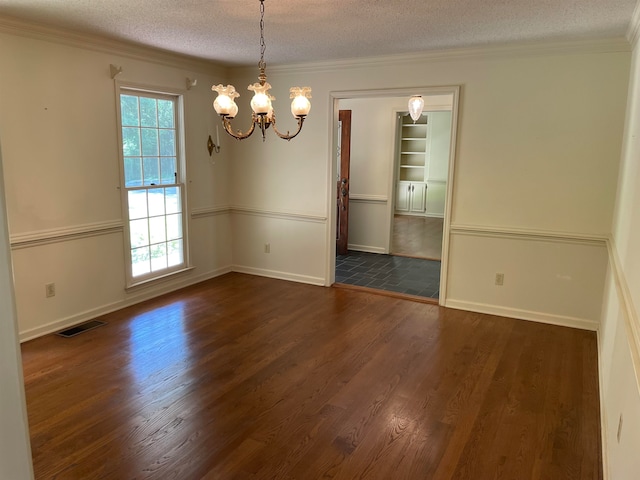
263	114
416	104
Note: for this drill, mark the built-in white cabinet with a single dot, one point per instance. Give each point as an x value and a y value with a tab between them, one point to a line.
422	160
410	197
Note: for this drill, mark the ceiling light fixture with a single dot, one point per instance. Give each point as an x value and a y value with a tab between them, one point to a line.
263	114
416	104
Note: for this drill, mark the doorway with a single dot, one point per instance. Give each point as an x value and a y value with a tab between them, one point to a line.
373	189
422	157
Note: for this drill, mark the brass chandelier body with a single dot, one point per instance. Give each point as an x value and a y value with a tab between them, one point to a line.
263	115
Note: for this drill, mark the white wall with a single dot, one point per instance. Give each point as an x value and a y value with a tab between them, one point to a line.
438	168
620	332
59	134
373	126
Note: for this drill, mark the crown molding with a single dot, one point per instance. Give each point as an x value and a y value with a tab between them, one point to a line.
14	26
511	50
634	26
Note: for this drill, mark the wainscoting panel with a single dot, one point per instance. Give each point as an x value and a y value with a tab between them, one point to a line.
280	245
619	369
548	277
86	263
368	224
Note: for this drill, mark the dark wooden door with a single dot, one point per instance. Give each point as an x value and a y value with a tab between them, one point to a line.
342	217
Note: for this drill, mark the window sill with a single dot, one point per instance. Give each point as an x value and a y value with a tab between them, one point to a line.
132	287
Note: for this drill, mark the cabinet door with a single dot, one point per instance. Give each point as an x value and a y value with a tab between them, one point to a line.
402	196
417	203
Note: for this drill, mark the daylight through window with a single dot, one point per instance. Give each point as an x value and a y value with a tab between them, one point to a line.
151	162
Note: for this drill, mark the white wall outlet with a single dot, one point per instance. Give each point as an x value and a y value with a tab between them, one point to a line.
50	290
500	279
267	248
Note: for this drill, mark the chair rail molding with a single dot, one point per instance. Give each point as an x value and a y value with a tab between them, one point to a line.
285	215
528	234
56	235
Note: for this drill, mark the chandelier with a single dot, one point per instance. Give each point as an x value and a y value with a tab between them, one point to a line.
263	114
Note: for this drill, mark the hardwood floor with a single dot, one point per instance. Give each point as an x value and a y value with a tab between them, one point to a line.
417	236
245	377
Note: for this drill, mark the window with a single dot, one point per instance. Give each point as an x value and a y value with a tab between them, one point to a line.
153	192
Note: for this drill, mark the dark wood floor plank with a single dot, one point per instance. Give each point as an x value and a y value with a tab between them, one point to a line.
244	377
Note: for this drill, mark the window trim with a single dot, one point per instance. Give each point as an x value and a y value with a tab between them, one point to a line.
177	96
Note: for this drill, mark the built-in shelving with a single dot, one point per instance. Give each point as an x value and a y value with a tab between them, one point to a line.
422	158
412	164
413	148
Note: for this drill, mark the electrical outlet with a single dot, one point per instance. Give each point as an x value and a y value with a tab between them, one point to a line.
619	428
500	279
50	290
267	248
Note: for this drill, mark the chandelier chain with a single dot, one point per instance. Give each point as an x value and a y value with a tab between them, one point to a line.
263	45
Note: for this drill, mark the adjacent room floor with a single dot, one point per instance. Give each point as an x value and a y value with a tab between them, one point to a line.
411	276
412	269
417	236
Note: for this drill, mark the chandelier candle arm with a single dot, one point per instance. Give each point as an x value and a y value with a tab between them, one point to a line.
262	102
288	136
226	123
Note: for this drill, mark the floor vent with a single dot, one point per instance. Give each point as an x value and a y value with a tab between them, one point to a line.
83	327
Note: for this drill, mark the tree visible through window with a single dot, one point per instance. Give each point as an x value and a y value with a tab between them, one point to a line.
151	175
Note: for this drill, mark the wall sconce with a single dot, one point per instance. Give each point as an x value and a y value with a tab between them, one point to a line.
114	70
191	83
214	147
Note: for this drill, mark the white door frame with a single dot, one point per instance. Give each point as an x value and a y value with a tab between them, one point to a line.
334	99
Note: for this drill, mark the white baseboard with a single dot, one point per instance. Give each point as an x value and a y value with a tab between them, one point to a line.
146	294
541	317
292	277
366	248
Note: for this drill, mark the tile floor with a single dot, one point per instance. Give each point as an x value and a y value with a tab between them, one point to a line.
413	276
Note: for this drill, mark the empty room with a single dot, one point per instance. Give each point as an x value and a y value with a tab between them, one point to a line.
172	297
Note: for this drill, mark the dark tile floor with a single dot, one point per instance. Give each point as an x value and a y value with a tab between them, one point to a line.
413	276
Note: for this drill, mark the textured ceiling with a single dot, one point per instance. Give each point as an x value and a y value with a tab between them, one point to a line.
227	31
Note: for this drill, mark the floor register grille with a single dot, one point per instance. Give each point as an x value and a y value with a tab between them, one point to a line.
83	327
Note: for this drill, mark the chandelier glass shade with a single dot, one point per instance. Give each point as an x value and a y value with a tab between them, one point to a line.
416	104
263	115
